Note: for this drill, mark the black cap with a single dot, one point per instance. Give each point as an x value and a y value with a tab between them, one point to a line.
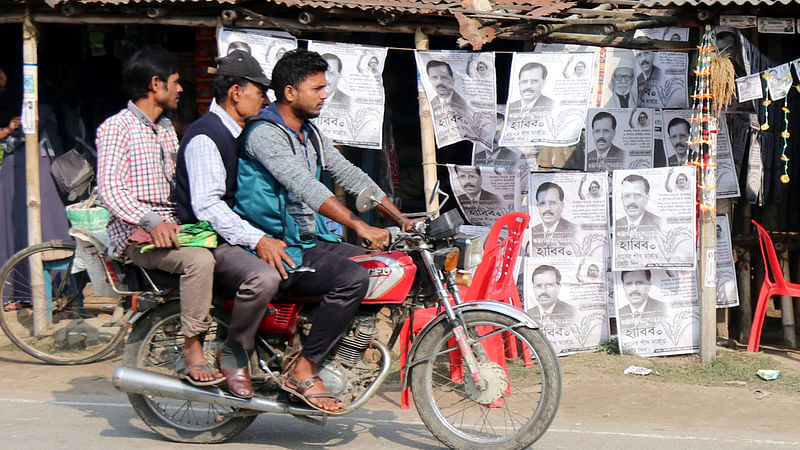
241	64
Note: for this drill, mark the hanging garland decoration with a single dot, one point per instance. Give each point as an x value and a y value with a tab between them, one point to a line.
700	142
785	135
765	126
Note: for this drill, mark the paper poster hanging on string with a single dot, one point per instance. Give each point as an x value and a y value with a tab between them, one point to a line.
353	112
461	93
547	98
619	139
266	46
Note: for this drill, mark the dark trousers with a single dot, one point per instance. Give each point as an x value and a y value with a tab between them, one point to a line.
341	283
255	283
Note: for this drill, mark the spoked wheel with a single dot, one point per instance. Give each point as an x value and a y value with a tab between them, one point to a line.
50	309
155	344
509	408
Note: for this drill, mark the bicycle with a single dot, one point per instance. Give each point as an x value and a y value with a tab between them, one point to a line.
65	303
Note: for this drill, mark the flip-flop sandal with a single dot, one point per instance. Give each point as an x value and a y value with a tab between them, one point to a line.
185	373
299	390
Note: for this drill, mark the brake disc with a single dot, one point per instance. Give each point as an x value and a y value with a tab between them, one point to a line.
495	379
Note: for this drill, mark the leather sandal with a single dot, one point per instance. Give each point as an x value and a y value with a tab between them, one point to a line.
298	389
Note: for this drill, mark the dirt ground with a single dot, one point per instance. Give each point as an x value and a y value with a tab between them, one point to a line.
594	392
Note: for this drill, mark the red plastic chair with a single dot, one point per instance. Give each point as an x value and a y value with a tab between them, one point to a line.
493	280
774	284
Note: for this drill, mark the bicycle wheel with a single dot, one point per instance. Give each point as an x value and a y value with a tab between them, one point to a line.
514	407
73	325
155	343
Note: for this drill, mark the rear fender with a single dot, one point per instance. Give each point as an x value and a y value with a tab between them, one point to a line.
479	305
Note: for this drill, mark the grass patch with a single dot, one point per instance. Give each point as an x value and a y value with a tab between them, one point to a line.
728	365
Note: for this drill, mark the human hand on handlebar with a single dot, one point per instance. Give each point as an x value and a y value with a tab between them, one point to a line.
378	238
165	235
408	224
273	252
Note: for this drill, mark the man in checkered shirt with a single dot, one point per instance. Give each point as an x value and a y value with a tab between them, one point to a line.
136	158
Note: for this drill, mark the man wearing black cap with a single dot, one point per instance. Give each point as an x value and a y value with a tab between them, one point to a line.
206	181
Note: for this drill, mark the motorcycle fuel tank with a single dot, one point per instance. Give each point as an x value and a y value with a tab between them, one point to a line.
391	275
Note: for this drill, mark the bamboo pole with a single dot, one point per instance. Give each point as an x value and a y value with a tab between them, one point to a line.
426	129
30	107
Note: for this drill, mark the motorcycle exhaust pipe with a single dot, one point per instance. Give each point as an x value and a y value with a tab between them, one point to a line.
139	381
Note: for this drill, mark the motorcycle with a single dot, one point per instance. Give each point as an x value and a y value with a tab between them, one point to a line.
466	396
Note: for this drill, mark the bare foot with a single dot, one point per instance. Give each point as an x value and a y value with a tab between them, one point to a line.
193	354
304	370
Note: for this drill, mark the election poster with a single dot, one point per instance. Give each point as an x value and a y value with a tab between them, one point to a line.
663	33
353	112
569	308
547	98
266	46
661	78
569	215
727	290
619	139
461	93
485	194
654	218
658	312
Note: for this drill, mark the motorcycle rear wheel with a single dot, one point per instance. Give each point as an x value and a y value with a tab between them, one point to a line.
517	407
155	343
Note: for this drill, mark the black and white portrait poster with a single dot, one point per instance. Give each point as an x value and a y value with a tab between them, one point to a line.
676	131
654	218
779	80
266	46
657	312
619	88
749	87
619	139
727	291
353	112
496	155
661	78
727	178
570	309
569	216
663	33
460	88
547	98
484	194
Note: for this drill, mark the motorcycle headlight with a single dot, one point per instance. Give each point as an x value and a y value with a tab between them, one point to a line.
446	258
471	251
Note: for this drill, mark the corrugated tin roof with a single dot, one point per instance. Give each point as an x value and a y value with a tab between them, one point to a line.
53	3
532	8
658	3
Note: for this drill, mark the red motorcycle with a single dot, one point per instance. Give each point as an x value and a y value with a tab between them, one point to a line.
465	397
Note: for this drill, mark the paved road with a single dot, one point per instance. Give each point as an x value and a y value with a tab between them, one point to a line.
46	407
37	421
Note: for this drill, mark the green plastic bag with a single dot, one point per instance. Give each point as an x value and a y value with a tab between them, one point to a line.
198	234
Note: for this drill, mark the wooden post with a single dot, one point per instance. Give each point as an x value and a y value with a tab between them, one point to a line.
426	130
30	123
708	254
745	305
787	309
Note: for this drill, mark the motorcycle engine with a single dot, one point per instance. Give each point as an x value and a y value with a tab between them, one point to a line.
347	374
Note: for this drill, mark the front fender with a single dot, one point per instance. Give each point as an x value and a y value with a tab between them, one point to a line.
479	305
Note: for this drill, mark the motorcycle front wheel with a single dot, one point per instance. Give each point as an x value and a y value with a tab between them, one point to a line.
509	407
155	343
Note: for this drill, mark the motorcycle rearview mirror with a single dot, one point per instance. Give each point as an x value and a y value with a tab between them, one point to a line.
367	199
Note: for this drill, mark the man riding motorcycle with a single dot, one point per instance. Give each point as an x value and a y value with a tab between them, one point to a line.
280	192
205	185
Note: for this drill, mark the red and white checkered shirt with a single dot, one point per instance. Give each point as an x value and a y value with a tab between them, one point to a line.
136	166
